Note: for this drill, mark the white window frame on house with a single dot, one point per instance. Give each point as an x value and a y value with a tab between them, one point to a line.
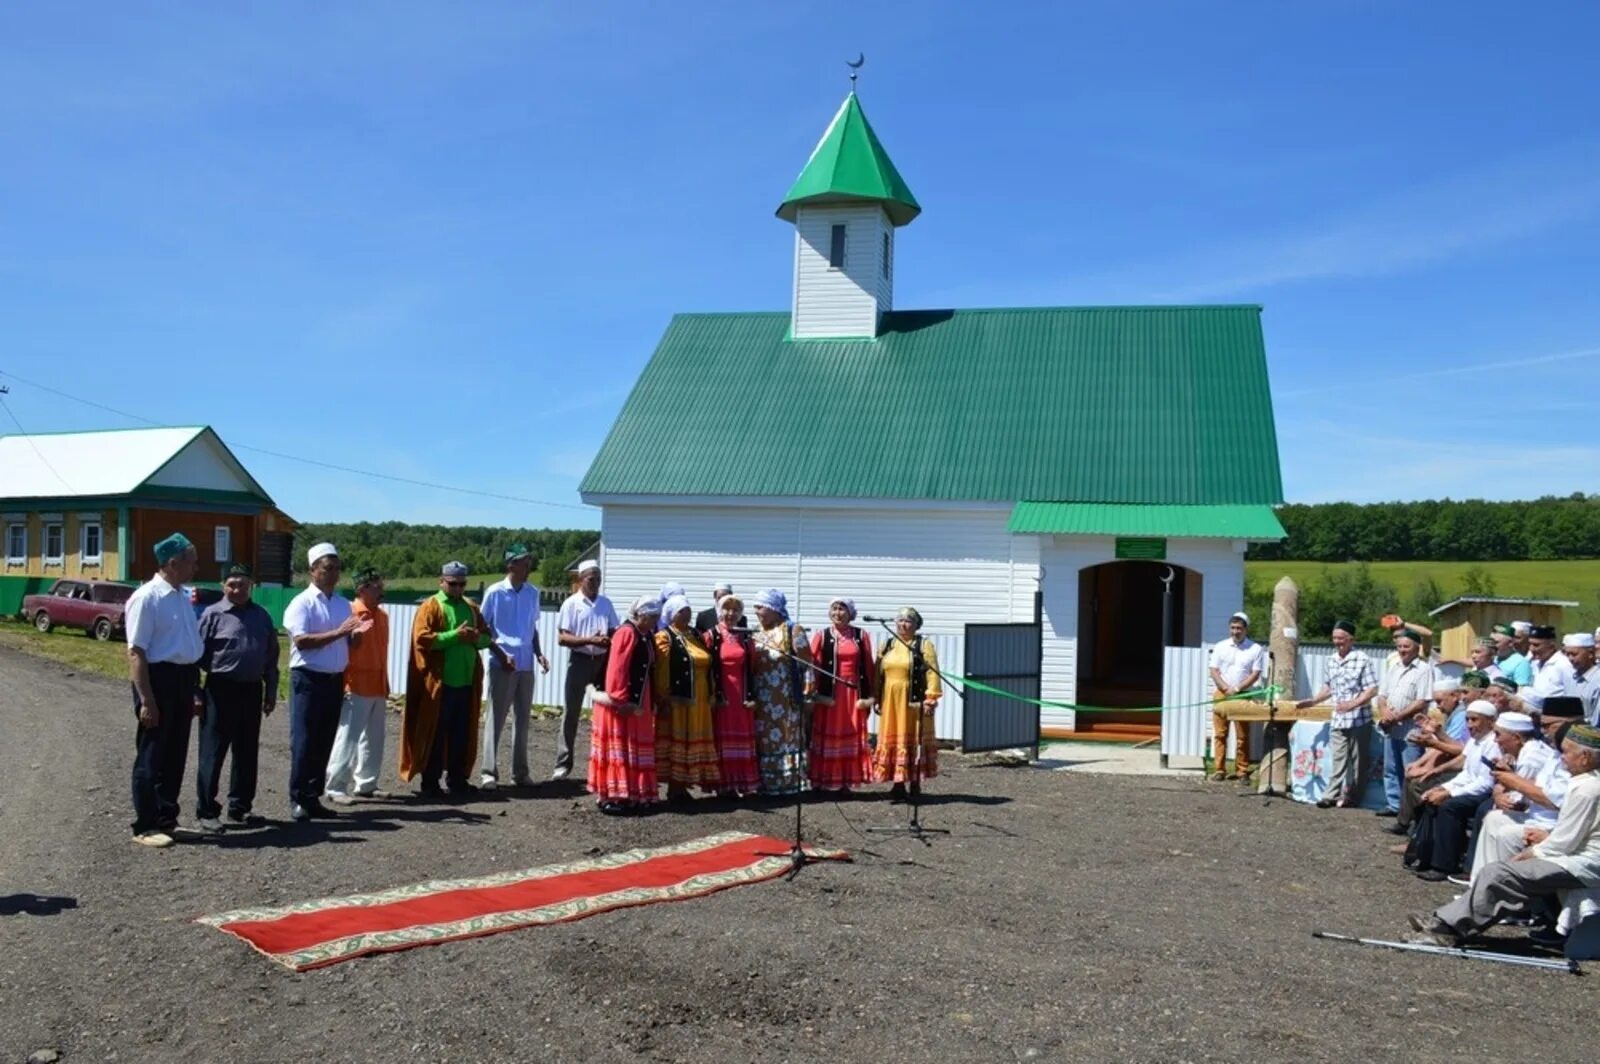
85	556
13	526
60	556
222	541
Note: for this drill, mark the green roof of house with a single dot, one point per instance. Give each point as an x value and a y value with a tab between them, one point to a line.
1121	519
849	165
1163	405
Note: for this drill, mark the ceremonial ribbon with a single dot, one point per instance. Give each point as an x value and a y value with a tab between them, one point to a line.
966	682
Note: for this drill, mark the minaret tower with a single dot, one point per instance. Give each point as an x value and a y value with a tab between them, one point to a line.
845	206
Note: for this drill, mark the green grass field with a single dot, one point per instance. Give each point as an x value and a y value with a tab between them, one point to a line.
1574	580
76	650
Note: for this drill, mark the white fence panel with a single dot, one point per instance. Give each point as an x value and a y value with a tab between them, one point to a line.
547	687
1186	686
952	651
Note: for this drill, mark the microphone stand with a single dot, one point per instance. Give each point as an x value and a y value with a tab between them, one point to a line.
914	829
797	853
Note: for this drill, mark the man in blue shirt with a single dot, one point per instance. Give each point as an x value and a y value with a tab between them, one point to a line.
511	610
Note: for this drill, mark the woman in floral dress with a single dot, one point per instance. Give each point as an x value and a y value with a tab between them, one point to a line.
778	676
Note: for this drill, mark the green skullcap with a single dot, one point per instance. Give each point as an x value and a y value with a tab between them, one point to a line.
171	547
1585	735
367	575
1347	627
1503	629
240	569
1412	634
1506	683
1475	679
518	550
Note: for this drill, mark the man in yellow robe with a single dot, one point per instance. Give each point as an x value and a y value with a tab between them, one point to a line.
444	689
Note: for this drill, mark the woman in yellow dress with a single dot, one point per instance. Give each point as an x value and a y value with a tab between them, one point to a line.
908	693
686	743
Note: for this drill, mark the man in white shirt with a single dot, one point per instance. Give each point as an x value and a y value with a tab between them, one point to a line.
1523	802
586	623
1550	668
164	648
1444	812
1583	675
1564	858
1237	665
1403	694
321	625
511	610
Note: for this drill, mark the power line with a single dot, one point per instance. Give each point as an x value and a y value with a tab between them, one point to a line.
287	457
24	433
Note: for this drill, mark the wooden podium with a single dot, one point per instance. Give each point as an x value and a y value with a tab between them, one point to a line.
1273	775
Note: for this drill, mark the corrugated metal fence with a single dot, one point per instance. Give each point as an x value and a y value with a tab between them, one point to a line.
548	687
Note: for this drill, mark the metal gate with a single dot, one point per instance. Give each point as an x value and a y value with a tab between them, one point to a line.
1007	657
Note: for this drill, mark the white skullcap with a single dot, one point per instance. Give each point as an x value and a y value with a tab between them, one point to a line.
321	550
1482	708
1522	627
1446	684
646	606
721	589
1511	720
588	565
453	569
1578	639
673	606
1240	616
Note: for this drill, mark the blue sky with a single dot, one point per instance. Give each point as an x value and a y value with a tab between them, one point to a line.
438	241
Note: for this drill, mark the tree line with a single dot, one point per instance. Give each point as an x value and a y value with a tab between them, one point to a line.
398	549
1438	530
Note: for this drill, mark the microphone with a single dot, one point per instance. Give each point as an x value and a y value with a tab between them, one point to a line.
876	620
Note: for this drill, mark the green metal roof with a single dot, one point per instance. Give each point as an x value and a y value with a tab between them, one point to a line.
1121	519
1074	404
849	165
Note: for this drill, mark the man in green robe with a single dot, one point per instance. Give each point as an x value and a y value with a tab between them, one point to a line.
444	688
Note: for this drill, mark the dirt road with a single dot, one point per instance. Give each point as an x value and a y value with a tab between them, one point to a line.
1066	917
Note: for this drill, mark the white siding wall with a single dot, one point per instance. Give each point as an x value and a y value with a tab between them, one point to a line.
830	302
956	565
1218	562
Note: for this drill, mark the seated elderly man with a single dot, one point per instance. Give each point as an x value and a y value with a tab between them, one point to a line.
1520	802
1441	733
1445	812
1563	863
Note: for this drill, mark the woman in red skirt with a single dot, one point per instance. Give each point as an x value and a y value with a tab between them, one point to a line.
732	710
622	739
840	758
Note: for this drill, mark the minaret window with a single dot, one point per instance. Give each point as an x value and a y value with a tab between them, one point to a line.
836	248
885	260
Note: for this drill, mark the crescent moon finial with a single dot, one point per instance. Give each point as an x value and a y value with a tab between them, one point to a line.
855	68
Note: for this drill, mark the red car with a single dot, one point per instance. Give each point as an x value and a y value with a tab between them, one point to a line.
92	605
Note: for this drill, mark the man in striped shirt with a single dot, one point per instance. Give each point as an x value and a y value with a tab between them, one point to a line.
1351	682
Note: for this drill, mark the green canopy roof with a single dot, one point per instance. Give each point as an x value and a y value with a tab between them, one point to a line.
848	165
1114	519
1161	405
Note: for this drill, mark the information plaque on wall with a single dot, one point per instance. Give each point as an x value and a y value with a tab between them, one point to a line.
1135	548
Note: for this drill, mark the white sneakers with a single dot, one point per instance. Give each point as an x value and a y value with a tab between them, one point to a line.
561	773
487	783
211	825
156	840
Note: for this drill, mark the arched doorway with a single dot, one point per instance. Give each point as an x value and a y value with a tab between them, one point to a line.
1128	612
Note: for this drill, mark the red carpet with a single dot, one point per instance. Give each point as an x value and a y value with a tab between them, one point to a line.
316	933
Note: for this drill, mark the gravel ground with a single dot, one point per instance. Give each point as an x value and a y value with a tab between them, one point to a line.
1066	917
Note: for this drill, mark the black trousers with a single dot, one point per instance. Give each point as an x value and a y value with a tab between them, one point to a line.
315	699
160	752
448	752
232	723
1440	838
582	670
